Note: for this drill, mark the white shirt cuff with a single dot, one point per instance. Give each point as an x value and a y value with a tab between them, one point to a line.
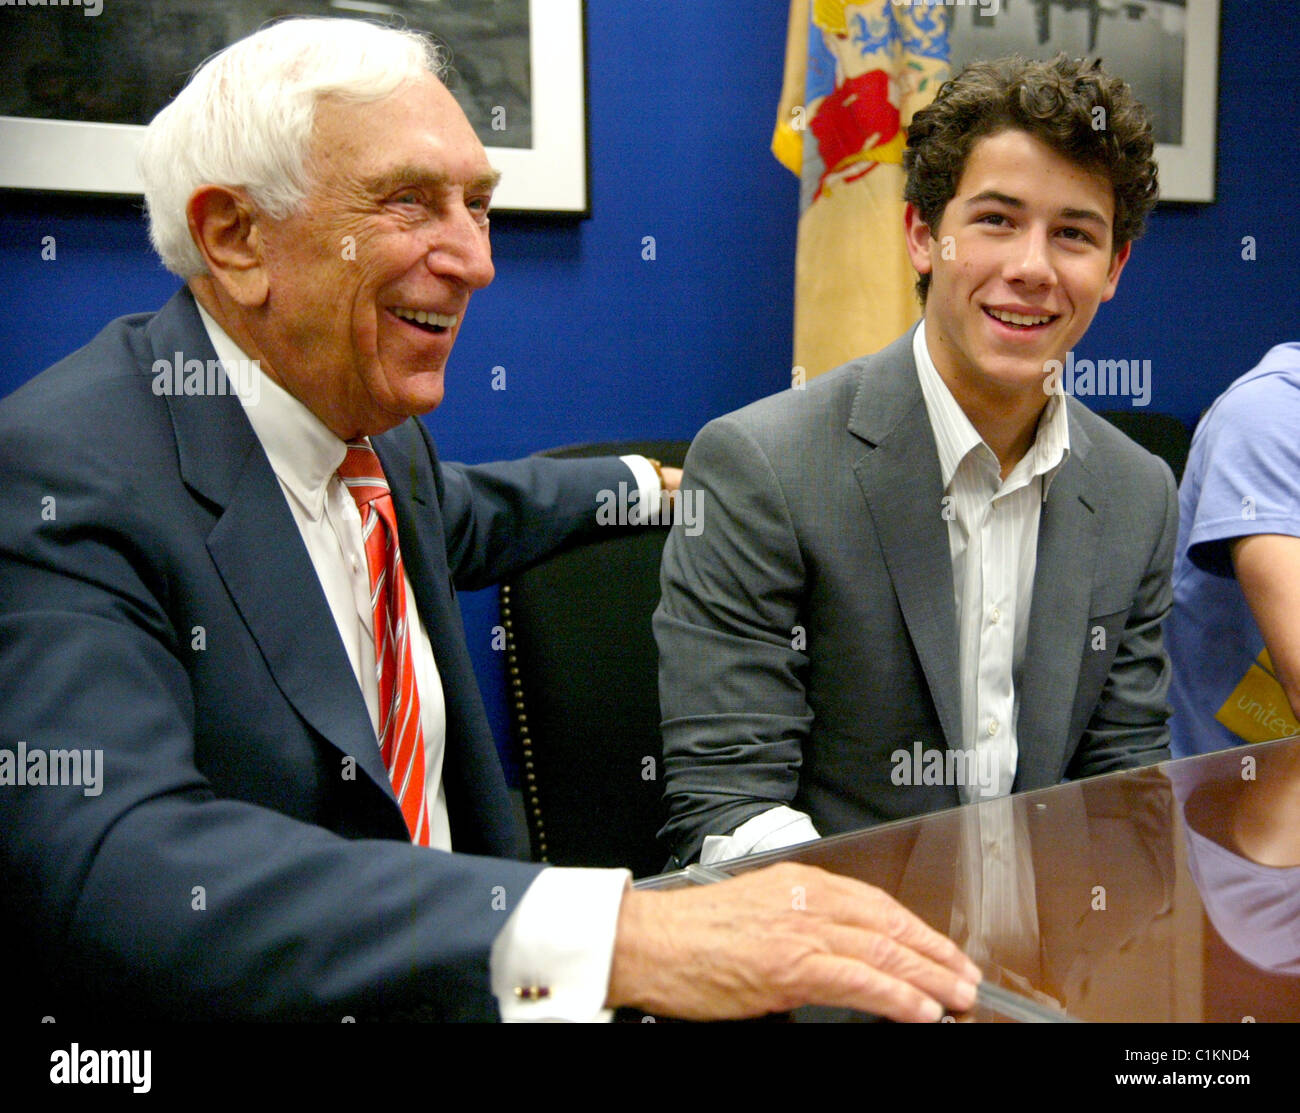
779	827
551	960
647	482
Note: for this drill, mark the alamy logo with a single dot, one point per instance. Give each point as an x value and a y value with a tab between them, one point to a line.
919	766
81	768
130	1068
181	377
88	7
987	7
1107	378
624	508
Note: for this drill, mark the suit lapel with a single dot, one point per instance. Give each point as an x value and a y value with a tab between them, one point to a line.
902	485
419	528
259	553
1068	539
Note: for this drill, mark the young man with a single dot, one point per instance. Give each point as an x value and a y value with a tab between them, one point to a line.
930	577
227	605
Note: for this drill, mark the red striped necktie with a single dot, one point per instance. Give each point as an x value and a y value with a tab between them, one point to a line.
401	736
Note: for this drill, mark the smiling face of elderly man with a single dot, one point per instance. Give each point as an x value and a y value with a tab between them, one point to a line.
353	300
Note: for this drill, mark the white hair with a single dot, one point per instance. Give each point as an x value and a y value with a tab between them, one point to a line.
245	118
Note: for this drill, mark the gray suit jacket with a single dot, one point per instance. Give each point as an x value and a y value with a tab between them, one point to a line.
807	628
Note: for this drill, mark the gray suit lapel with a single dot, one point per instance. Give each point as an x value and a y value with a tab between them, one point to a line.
1068	540
900	480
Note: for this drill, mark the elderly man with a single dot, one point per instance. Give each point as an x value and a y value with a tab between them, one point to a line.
229	565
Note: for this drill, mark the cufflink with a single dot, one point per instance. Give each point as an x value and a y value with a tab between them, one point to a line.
532	992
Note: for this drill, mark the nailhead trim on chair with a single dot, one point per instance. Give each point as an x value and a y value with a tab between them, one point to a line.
532	803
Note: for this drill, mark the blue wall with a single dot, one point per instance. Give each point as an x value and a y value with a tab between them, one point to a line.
600	344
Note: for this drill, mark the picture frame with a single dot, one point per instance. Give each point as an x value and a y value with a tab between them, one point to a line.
547	176
1167	50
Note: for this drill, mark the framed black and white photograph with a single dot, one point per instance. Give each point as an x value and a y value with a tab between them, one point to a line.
77	84
1167	50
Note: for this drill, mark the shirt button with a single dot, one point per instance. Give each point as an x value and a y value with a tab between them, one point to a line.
996	616
356	564
993	726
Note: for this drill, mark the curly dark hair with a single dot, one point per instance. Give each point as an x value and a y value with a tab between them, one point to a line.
1072	105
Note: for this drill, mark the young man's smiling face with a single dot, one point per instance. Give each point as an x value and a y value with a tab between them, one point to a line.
1029	260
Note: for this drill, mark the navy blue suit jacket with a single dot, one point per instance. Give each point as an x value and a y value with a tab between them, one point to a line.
245	856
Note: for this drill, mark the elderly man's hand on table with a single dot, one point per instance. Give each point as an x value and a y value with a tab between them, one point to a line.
778	938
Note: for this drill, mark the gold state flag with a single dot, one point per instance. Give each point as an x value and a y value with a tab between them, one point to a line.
854	76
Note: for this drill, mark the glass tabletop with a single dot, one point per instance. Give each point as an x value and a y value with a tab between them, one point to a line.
1167	893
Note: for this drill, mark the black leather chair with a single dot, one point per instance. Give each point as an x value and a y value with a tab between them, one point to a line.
582	679
1163	434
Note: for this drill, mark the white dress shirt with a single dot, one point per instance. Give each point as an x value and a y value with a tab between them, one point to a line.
561	933
993	541
993	538
995	900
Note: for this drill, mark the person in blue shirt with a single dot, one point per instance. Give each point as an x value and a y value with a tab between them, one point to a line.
1234	632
